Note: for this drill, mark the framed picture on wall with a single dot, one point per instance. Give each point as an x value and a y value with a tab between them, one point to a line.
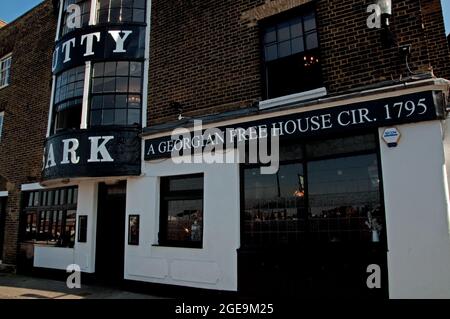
82	229
133	230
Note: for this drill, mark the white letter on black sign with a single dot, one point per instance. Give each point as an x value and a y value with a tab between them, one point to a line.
96	149
90	41
66	49
74	159
120	40
50	157
74	18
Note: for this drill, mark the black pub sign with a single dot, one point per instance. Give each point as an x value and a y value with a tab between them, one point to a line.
99	43
92	153
415	107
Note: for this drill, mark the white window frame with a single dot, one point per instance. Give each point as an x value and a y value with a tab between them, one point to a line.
2	116
3	61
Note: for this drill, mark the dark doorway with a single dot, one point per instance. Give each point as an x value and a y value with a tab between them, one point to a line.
109	263
2	224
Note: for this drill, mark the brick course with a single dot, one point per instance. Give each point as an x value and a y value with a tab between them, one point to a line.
25	103
206	54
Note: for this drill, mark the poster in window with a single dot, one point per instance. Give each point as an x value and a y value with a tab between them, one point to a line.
133	230
82	229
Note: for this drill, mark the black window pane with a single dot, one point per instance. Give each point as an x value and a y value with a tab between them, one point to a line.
138	15
114	15
121	101
134	116
109	84
96	118
270	35
139	4
98	69
184	220
182	211
309	22
296	28
287	70
344	200
185	184
271	52
120	117
135	85
311	41
97	102
108	117
283	32
97	85
122	84
135	68
341	146
115	3
297	45
122	68
110	69
284	49
108	101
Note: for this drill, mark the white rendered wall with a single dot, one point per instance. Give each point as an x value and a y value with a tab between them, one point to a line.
87	205
83	254
416	202
53	257
214	266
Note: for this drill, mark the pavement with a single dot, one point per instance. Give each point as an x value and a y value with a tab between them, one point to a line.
14	286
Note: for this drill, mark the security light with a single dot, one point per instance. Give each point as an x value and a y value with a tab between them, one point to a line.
386	11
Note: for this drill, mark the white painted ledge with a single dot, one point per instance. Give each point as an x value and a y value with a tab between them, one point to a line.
293	98
4	194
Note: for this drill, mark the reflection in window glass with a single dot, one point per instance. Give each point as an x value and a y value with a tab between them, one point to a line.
274	206
181	211
119	11
315	198
344	199
291	55
116	93
52	220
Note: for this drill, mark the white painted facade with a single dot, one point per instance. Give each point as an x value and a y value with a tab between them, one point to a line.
415	177
212	267
417	213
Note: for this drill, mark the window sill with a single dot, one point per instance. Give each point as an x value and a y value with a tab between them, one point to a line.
4	86
176	246
293	98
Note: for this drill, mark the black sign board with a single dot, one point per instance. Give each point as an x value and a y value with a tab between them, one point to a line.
416	107
97	44
93	153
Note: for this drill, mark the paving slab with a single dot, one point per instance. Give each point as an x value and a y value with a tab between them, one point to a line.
14	286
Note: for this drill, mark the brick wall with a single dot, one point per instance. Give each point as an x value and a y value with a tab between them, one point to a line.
25	103
206	54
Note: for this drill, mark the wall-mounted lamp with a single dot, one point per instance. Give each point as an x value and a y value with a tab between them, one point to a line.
387	36
386	11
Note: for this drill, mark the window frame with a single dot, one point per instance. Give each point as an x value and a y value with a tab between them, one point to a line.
3	60
165	196
304	161
273	21
98	9
41	210
76	100
127	93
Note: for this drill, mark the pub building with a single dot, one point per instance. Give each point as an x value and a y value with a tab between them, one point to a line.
355	104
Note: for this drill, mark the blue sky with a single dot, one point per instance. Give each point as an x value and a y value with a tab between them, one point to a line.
11	9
